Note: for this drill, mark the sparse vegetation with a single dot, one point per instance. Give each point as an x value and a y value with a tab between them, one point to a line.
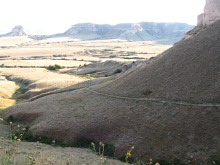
54	67
11	155
147	92
21	90
117	71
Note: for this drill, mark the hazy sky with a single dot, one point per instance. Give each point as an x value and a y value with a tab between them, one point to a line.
53	16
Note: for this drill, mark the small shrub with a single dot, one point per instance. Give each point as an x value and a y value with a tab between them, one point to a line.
86	143
21	90
27	135
54	67
117	71
147	92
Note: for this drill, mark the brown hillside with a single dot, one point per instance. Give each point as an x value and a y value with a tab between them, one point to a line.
189	71
160	130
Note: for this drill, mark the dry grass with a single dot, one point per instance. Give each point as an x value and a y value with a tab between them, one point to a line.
72	47
35	153
49	155
7	89
39	80
42	63
30	53
157	130
13	41
4	103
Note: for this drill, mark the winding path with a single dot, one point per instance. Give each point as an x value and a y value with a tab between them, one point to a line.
153	100
156	100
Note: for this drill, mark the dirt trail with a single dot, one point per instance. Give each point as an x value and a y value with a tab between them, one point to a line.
153	100
157	100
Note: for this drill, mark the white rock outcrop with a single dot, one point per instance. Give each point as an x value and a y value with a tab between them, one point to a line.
143	31
211	13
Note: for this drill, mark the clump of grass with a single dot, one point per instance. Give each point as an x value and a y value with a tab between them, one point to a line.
100	153
21	90
18	133
54	67
117	71
147	92
86	143
8	156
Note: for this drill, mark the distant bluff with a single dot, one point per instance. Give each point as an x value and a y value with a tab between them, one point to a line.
143	31
163	33
16	31
211	13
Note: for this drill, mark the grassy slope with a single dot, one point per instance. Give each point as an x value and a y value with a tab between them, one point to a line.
189	71
38	80
7	89
157	130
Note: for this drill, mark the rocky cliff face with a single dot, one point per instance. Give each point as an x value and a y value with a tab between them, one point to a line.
211	13
144	31
16	31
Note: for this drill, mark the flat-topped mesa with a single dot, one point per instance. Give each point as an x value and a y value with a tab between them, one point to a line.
211	13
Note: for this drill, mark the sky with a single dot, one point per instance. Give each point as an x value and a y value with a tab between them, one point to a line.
56	16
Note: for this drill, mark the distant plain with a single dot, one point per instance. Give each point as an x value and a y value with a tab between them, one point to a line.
24	61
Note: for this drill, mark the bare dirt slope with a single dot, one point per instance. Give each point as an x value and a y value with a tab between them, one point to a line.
189	72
